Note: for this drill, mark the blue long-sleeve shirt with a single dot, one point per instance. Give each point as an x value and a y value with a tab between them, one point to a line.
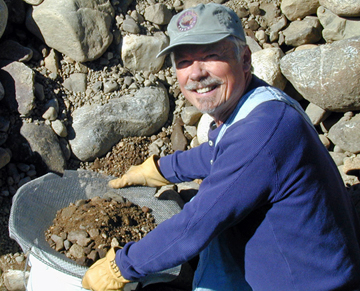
272	189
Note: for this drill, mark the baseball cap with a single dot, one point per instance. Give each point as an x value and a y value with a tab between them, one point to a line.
203	24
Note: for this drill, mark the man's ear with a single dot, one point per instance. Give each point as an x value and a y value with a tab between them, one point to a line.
246	59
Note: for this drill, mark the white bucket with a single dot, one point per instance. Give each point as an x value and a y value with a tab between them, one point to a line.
44	278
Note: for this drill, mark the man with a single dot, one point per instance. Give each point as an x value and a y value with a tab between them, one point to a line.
272	212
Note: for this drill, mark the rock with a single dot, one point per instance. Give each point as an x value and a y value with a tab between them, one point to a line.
346	8
351	165
304	31
15	280
158	14
14	51
79	29
298	9
316	114
335	27
110	86
338	158
3	17
139	52
5	157
253	45
190	115
130	25
178	139
266	64
76	82
101	126
346	134
44	144
327	75
203	128
59	128
18	81
52	62
270	13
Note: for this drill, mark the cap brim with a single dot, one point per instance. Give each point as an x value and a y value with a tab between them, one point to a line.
193	39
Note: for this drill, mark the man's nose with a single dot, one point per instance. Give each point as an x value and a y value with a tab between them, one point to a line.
198	71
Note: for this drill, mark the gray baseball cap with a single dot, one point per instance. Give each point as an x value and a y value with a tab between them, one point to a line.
203	24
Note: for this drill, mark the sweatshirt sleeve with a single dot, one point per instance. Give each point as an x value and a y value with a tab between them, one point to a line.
183	166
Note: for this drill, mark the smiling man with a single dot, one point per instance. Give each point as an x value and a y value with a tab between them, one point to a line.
272	212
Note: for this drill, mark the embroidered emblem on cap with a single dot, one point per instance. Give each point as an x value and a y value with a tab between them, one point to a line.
187	20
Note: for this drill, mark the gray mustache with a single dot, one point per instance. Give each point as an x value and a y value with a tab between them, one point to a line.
203	83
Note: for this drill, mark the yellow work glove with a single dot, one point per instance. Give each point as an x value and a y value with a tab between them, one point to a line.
146	174
104	275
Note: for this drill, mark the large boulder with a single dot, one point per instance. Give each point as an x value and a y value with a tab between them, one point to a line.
96	128
335	27
347	8
328	75
80	29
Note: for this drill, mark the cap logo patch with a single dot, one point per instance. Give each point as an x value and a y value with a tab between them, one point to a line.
187	21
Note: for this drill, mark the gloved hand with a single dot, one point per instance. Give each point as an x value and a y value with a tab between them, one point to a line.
146	174
104	275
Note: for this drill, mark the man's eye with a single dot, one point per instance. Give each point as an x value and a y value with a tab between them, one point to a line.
182	63
211	57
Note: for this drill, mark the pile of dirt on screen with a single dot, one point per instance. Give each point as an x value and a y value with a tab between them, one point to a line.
85	230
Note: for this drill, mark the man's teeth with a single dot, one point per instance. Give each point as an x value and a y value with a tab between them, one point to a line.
204	90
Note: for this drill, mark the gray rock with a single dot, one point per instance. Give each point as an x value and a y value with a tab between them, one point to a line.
298	9
14	280
253	44
50	114
76	82
110	86
80	29
3	17
44	143
5	157
52	62
76	251
190	115
130	25
178	139
59	128
158	14
346	134
316	114
327	75
347	8
266	64
335	27
99	127
304	31
139	52
18	82
14	51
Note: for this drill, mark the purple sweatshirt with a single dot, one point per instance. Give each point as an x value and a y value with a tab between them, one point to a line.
272	190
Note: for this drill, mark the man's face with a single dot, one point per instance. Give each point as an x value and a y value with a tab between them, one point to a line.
211	77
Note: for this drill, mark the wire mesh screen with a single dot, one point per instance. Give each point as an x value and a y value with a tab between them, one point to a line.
36	203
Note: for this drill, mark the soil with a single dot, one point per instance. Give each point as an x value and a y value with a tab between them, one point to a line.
85	230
